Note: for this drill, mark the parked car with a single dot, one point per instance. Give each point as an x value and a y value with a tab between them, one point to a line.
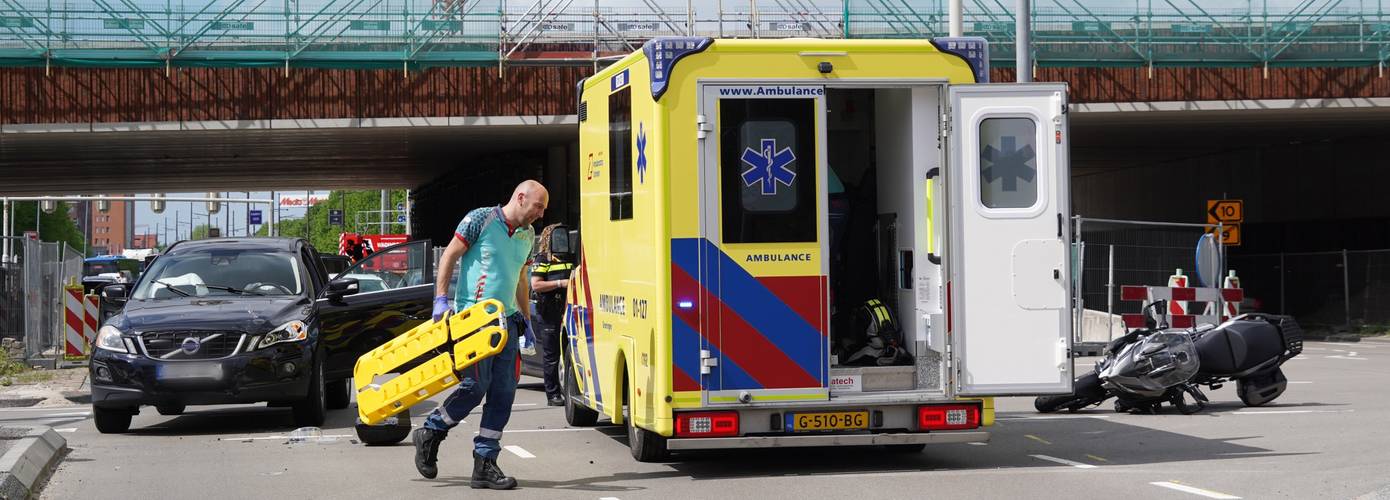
250	320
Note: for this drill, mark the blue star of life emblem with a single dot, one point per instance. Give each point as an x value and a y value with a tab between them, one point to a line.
641	154
767	167
1009	163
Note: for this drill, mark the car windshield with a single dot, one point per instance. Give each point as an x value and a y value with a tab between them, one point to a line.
222	272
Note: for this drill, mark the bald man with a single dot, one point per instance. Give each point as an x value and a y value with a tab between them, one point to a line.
493	245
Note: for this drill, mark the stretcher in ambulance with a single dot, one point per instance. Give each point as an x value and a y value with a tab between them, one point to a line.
742	200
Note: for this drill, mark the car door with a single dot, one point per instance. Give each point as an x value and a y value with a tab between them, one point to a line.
401	297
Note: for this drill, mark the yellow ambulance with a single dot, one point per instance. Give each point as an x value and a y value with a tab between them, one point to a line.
755	213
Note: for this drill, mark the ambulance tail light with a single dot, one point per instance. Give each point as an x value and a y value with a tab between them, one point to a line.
948	417
707	424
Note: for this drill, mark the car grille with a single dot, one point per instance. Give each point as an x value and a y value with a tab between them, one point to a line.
169	345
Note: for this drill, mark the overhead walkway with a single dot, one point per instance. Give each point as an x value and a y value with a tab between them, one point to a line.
414	34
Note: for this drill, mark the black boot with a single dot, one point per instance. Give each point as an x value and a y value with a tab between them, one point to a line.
427	450
487	475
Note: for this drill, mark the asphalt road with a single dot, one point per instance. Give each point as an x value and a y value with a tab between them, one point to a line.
1325	437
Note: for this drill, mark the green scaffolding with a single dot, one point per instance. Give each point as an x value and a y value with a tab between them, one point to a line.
423	33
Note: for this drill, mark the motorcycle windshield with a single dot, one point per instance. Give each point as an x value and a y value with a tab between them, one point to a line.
1152	365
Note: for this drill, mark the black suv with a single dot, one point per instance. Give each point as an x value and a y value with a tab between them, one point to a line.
224	321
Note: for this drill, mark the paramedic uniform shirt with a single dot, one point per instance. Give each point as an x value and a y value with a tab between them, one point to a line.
491	266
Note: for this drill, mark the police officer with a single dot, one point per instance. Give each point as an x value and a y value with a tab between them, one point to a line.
550	279
493	245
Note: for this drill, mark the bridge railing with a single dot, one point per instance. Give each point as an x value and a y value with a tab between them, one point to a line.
375	33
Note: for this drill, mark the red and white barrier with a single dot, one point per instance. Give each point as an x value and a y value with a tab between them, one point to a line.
80	319
1150	294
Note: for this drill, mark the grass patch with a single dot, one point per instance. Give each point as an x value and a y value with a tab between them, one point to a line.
14	371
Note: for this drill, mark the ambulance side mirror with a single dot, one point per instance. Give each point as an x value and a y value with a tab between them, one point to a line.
564	242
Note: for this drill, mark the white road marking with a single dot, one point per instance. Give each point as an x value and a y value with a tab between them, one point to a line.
1195	491
1078	465
518	451
1285	412
509	431
59	415
608	498
973	443
523	404
1301	382
264	438
1055	417
66	429
1346	357
45	408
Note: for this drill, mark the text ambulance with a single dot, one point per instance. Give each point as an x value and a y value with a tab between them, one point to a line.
740	199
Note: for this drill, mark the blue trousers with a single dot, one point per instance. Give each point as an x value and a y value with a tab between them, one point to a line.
492	378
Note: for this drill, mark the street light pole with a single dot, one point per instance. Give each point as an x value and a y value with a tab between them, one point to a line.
1023	55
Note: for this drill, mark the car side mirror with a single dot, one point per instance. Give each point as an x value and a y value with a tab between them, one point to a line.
114	293
342	287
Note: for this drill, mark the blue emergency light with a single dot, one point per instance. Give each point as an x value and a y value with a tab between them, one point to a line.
662	54
974	49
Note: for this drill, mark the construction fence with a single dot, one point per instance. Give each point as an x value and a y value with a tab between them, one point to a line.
1110	254
32	295
1343	289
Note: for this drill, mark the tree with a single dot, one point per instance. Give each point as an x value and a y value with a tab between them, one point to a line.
56	226
324	236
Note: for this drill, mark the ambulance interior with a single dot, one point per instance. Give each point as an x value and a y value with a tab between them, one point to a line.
875	249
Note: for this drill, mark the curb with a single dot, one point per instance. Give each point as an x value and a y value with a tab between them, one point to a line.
30	461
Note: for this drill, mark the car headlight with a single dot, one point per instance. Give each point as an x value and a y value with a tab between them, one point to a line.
289	332
109	338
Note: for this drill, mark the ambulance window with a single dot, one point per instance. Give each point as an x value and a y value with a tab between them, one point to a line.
1008	163
620	154
768	174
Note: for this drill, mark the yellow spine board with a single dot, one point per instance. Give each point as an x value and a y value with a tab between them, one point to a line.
470	332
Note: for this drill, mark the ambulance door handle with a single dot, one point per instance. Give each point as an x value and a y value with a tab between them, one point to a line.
1059	226
933	258
935	171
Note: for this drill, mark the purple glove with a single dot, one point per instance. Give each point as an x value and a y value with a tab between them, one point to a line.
441	307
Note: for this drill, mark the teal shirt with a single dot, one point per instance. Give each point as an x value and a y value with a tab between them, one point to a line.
494	260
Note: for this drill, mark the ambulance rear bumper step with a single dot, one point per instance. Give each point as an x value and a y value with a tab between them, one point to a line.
827	440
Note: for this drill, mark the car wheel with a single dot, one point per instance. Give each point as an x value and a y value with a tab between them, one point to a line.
310	411
646	446
171	410
576	414
385	434
338	394
112	420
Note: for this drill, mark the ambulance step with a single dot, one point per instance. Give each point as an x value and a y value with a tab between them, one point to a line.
451	345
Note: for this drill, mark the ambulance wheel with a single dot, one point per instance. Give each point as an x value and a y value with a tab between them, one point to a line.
576	414
385	434
646	446
338	394
170	410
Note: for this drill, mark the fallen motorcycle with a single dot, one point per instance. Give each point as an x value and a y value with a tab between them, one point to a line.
1154	365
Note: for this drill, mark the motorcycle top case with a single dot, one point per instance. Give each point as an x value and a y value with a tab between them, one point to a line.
457	342
1247	342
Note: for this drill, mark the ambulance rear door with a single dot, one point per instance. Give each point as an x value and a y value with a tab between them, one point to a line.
1007	262
761	263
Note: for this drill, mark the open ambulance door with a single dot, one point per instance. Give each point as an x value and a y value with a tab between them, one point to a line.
1007	263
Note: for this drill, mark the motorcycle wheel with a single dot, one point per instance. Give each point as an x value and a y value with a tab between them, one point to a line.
1086	389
